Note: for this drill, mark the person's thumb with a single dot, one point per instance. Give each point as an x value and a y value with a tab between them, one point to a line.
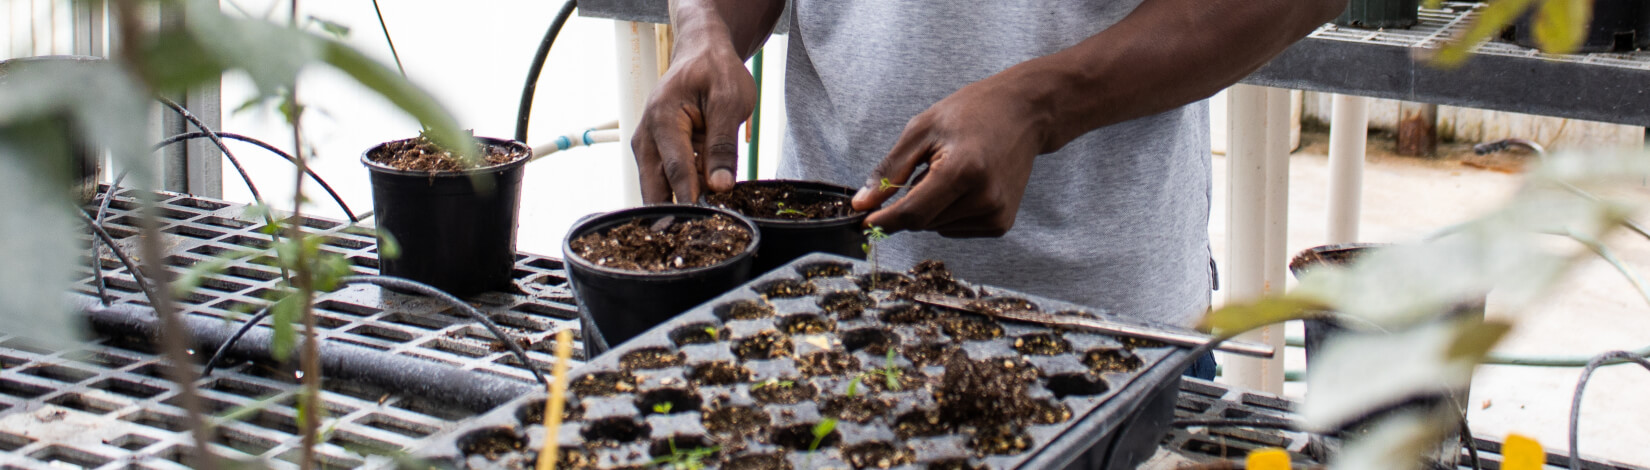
893	172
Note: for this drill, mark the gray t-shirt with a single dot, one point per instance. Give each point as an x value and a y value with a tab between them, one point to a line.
1118	219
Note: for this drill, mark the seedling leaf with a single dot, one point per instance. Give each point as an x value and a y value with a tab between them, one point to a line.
821	430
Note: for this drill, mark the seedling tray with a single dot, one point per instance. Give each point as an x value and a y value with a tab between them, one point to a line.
755	370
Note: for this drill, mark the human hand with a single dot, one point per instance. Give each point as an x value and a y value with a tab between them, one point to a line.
687	137
979	144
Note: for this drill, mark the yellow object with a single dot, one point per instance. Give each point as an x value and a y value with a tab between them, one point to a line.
1522	453
558	400
1267	459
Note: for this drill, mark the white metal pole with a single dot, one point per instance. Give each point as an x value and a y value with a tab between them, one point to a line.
1257	197
638	72
1348	139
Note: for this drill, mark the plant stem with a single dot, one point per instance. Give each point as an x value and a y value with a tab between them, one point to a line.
310	358
174	338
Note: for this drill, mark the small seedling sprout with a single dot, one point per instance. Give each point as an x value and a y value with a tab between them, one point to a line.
821	430
887	185
691	459
872	236
711	330
889	372
774	383
663	408
853	387
785	211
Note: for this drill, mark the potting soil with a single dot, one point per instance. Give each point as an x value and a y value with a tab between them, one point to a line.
422	154
767	376
781	201
647	246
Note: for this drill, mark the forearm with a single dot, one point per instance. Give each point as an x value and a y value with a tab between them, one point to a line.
743	24
1163	55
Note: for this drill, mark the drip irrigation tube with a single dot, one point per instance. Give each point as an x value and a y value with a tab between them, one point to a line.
525	110
137	276
339	361
402	284
1581	385
272	149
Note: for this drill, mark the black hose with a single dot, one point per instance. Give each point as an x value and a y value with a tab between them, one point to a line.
272	149
130	267
97	250
442	383
274	235
212	363
526	108
471	311
1471	443
1611	357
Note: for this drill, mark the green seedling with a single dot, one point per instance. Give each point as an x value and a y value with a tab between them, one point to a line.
663	408
889	372
774	383
887	185
711	330
872	236
853	387
690	459
821	430
785	211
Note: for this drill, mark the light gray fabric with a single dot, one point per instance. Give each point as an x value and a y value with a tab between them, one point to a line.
1117	220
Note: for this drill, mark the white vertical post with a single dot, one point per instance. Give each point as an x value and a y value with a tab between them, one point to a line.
1348	134
638	72
1257	219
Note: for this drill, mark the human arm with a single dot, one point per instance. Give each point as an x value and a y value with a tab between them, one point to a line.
979	142
687	137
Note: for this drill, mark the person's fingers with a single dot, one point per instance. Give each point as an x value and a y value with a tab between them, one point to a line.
676	159
655	188
725	110
918	209
910	150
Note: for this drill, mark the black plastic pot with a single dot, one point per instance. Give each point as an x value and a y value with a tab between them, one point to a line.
456	230
1320	330
1374	14
624	303
1616	26
784	240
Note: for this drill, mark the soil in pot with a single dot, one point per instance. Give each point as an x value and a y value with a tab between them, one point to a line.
650	358
797	217
665	245
876	455
454	219
758	462
781	200
847	305
422	154
764	345
1111	360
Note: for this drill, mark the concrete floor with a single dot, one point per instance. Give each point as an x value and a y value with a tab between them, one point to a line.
1595	310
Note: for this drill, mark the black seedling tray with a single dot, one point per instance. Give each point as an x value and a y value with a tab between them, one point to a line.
614	419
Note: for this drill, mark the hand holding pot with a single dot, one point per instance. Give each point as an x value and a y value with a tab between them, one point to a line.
979	144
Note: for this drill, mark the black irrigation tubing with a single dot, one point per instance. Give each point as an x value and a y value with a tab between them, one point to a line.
525	110
1581	384
269	220
405	284
97	250
1471	444
121	255
212	363
272	149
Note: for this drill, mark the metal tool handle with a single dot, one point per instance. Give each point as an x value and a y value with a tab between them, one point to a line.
1190	340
